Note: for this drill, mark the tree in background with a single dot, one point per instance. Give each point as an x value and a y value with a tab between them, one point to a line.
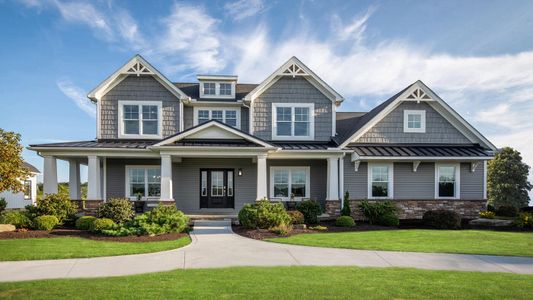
507	183
12	170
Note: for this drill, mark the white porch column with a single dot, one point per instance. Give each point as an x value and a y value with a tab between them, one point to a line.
166	177
262	177
333	179
93	185
50	175
341	180
74	179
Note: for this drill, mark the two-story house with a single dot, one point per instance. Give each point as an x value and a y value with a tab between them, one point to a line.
213	145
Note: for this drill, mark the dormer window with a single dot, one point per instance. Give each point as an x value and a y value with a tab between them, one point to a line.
414	121
139	119
217	86
225	89
210	88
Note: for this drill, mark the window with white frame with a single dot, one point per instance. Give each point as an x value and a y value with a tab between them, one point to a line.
225	89
27	189
414	121
292	121
210	88
143	182
139	119
227	116
289	183
380	178
217	90
447	181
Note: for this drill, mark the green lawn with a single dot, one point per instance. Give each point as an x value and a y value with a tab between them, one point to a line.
74	247
417	240
283	283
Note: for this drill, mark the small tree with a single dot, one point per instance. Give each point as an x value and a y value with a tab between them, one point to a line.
346	211
11	164
507	183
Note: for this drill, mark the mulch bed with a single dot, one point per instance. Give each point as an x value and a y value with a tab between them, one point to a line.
87	235
260	234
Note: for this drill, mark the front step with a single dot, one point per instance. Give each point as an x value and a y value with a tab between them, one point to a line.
214	217
212	223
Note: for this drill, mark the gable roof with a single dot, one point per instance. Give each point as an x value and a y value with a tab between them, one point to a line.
193	90
294	67
30	167
236	133
417	91
138	66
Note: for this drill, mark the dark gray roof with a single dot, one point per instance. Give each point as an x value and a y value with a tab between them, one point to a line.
306	145
419	150
125	144
30	167
193	90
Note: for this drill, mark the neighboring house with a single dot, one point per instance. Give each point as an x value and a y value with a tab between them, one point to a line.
213	145
26	197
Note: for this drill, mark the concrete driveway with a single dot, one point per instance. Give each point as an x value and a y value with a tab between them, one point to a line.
214	245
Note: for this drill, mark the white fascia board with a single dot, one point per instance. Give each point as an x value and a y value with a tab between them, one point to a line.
422	158
318	82
217	77
284	154
98	92
107	152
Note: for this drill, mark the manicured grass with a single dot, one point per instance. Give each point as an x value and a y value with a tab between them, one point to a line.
417	240
283	283
74	247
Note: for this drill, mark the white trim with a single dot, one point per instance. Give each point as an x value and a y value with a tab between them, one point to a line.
182	121
104	196
485	180
291	169
421	113
341	180
306	73
292	137
457	186
207	125
334	118
127	178
223	109
122	135
390	182
421	158
434	99
217	77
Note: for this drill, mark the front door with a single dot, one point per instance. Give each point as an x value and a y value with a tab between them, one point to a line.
217	188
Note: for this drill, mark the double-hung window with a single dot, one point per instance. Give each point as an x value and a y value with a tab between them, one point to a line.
143	182
289	183
27	189
380	178
447	181
210	88
414	121
225	89
292	121
139	119
228	116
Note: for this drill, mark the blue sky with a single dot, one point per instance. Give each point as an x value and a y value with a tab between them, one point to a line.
477	55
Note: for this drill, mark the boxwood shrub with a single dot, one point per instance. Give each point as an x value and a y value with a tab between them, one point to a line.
345	221
507	211
45	222
442	219
58	205
264	214
311	209
296	217
380	213
99	225
85	222
16	218
120	210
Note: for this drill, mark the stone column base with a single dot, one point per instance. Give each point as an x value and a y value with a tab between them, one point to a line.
333	207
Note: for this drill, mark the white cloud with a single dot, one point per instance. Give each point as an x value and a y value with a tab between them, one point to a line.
128	29
243	9
78	96
353	31
85	13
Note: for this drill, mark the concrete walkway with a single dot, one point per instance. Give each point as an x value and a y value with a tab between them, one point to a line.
214	245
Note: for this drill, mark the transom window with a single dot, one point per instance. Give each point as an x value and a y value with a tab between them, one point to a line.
27	189
139	119
293	121
210	88
447	185
289	183
380	181
143	182
414	121
228	116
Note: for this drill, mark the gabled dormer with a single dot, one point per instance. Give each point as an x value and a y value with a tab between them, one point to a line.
217	86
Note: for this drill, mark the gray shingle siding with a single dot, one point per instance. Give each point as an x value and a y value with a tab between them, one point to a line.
292	90
138	88
318	169
472	183
390	128
414	185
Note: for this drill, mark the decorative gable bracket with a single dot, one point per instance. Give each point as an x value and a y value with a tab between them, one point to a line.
139	69
473	166
294	70
415	165
418	95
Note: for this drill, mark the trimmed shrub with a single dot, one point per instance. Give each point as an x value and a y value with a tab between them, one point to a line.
524	220
58	205
15	218
380	213
264	214
85	222
345	221
99	225
507	211
282	229
346	210
45	222
442	219
311	209
120	210
3	204
296	217
487	214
